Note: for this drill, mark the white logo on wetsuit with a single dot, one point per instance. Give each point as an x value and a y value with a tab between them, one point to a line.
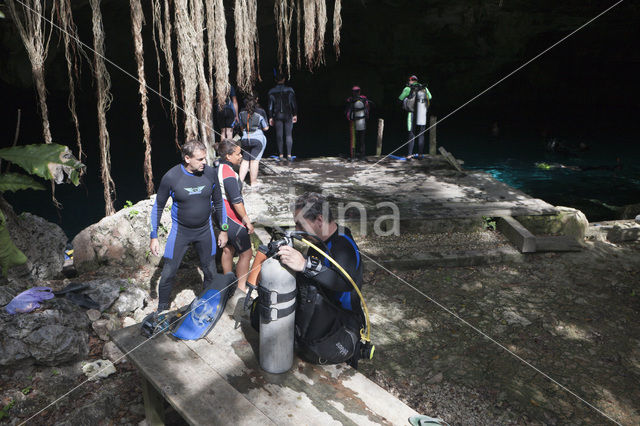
195	191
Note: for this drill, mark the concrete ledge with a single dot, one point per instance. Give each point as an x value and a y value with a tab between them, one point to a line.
450	259
519	236
559	243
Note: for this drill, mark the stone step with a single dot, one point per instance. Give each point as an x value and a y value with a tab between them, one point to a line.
439	259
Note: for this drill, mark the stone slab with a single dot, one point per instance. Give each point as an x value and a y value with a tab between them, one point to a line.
420	190
557	243
519	236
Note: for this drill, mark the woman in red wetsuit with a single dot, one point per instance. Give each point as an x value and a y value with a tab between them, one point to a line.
239	223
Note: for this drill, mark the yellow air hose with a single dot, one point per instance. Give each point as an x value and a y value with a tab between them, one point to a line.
366	337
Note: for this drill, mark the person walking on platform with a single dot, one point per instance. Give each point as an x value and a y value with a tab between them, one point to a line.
227	115
415	99
283	112
239	223
357	111
194	188
253	142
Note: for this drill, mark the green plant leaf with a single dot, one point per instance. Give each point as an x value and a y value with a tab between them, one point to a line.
10	255
16	182
49	161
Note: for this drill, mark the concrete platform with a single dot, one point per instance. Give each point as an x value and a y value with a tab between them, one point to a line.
424	190
217	380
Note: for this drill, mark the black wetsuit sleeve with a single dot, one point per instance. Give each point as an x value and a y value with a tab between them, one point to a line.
161	200
232	189
330	277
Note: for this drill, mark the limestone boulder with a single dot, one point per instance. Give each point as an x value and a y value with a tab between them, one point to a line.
121	239
105	291
129	300
567	221
55	335
43	244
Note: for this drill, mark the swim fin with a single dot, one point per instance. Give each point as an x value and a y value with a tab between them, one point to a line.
205	311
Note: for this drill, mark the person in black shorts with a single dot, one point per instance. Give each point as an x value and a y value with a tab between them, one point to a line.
227	115
239	223
194	187
253	123
283	112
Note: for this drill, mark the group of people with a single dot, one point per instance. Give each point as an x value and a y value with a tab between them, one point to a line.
415	99
195	187
252	121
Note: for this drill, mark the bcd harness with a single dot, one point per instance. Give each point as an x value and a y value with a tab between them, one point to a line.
252	121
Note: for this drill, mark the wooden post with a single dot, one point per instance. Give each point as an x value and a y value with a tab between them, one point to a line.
432	135
380	132
153	404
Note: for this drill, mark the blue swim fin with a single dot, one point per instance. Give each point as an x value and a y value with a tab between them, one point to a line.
205	310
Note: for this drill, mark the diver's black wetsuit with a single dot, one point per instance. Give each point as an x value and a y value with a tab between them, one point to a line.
193	196
329	280
282	108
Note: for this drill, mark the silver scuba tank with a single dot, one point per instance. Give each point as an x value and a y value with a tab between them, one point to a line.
421	107
359	115
277	319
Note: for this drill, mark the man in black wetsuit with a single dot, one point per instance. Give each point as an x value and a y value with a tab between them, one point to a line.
325	297
283	112
194	188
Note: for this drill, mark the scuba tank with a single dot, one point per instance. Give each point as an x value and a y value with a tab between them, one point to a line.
359	114
421	107
277	305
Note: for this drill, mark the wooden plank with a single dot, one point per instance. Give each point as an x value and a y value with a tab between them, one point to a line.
196	391
380	133
432	135
307	394
519	236
450	158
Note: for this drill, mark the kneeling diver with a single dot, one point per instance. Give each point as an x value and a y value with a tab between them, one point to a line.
330	322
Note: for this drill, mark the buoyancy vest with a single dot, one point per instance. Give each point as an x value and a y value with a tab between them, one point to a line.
250	122
409	103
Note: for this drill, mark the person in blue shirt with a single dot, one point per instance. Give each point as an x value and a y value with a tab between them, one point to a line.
194	189
227	115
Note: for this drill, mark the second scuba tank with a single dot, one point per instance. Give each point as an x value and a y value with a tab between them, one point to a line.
277	304
359	114
421	107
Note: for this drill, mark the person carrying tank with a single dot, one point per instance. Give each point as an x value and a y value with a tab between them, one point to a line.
283	112
415	99
328	307
357	111
194	188
227	115
252	121
237	218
